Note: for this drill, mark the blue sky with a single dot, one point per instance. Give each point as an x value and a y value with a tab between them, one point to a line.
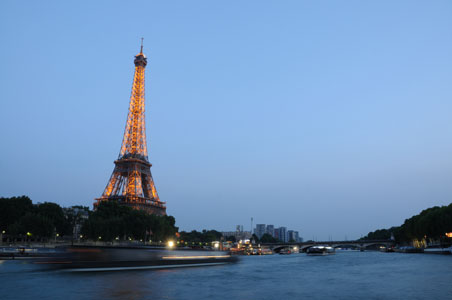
329	117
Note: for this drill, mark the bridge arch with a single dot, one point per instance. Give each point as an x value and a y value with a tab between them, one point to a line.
353	246
373	245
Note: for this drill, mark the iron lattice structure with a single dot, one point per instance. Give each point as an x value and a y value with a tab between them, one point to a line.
131	183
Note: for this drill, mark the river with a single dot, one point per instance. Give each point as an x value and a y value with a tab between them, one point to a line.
345	275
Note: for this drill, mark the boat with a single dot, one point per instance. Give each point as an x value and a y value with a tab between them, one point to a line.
95	258
266	251
409	249
320	250
25	252
386	249
285	251
438	250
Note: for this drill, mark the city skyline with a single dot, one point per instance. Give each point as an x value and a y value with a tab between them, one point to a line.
289	113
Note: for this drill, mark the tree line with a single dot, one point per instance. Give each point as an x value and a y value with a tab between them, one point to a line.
432	223
198	238
20	219
112	221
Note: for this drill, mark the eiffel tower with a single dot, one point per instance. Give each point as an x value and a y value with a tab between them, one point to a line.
131	183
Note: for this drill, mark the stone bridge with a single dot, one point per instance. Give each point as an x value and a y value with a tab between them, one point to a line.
303	246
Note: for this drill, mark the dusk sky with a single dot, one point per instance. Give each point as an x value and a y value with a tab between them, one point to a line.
333	118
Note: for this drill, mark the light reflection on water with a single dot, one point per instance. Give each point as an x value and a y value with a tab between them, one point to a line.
352	275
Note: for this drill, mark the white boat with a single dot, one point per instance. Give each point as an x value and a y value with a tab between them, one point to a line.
320	250
438	250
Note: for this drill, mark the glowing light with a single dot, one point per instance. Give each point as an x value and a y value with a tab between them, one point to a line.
100	237
449	234
170	244
28	233
3	232
57	234
196	257
216	245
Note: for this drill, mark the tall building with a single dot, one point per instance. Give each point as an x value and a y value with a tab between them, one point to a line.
292	235
131	183
260	230
270	230
283	234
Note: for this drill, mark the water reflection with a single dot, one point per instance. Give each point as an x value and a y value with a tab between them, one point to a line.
132	284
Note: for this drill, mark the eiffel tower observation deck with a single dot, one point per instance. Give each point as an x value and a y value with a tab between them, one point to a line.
131	183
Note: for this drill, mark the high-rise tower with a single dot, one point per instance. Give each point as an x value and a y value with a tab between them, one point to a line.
131	183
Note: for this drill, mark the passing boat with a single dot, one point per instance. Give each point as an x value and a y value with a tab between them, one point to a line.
285	251
386	249
266	251
95	258
409	249
320	250
438	250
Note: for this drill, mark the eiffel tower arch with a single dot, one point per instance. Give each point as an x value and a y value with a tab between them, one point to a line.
131	183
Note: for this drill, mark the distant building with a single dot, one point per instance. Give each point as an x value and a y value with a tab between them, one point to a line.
292	235
270	230
76	215
276	233
260	230
238	234
283	234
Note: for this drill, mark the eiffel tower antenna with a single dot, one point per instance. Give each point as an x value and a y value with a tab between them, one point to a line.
131	182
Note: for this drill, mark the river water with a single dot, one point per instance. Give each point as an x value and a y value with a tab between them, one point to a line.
345	275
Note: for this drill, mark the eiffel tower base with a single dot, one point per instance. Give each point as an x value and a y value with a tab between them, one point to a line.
138	203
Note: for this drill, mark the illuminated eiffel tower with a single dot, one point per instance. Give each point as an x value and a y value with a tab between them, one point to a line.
131	183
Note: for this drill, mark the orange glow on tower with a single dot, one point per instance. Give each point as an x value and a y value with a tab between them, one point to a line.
131	183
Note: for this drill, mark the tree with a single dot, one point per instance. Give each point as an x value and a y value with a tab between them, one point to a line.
430	223
112	220
206	236
34	225
267	238
254	238
54	213
12	209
